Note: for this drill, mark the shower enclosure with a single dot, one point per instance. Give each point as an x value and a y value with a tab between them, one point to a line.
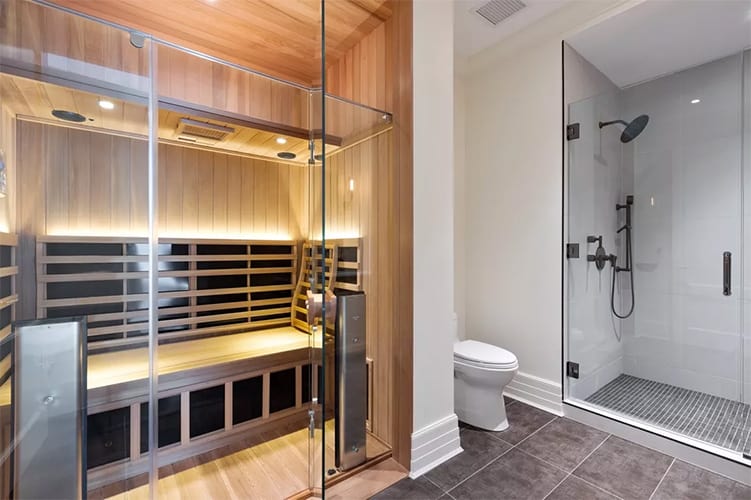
657	218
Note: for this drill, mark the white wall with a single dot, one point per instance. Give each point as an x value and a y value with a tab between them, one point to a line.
435	436
513	196
460	156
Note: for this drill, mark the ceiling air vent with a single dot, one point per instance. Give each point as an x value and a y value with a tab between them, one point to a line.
496	11
200	132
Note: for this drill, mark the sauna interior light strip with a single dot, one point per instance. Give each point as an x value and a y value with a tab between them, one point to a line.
197	236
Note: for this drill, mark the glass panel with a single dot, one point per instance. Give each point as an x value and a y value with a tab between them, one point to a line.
675	363
357	205
74	176
233	218
745	344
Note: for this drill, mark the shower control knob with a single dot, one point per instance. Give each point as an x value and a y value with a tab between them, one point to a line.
48	400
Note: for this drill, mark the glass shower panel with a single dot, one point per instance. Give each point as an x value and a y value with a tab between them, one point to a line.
745	341
74	198
674	190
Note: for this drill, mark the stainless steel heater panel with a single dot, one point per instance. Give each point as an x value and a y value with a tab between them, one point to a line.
352	380
49	400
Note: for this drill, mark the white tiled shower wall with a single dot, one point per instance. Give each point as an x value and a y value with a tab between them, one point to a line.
687	212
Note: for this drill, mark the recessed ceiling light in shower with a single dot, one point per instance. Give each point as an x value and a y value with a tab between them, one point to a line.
68	116
286	155
695	101
105	104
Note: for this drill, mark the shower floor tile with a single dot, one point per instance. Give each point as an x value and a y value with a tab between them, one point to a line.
694	414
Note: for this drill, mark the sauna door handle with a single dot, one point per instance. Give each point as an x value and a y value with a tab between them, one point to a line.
727	267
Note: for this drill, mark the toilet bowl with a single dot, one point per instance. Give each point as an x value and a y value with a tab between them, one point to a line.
481	372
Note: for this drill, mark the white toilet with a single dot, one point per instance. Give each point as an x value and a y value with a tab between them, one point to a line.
481	372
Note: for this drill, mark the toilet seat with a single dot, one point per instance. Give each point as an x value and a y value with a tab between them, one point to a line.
482	355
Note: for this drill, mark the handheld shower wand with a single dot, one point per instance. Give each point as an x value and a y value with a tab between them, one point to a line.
628	268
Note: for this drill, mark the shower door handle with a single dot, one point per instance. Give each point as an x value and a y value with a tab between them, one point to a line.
727	266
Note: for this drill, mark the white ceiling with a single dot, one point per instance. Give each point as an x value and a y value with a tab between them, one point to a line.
658	37
472	33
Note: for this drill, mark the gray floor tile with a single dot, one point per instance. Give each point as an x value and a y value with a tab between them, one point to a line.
624	468
514	475
575	488
523	420
479	450
688	482
411	489
564	443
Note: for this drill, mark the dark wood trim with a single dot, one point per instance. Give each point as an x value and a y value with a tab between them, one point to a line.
400	81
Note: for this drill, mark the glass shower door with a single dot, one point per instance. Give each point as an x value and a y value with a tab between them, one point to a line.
676	364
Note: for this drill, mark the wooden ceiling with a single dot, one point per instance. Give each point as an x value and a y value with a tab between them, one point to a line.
31	99
281	38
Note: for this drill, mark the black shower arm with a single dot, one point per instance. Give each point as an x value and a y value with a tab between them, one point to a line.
605	124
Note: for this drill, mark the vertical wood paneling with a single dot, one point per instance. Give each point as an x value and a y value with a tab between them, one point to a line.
220	193
172	162
79	178
362	74
101	180
259	195
246	216
95	183
8	147
234	194
32	207
120	182
205	192
139	186
55	175
190	191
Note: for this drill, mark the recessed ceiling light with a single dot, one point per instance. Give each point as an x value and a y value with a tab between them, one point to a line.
281	140
695	101
105	104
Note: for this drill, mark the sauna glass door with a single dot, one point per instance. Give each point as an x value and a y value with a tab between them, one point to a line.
237	369
74	202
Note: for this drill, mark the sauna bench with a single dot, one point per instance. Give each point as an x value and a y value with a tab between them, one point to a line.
122	375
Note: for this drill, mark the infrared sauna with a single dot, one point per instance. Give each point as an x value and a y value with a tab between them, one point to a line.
189	267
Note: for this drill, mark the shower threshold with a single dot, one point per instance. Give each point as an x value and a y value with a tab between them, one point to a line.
696	415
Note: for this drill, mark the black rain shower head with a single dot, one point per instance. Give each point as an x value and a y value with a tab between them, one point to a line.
632	129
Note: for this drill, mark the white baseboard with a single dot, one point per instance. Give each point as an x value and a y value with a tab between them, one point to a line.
434	444
536	391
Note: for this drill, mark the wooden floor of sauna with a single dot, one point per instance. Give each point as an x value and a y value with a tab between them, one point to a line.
269	466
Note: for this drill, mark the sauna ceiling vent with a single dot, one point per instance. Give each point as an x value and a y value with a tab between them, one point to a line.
189	130
496	11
